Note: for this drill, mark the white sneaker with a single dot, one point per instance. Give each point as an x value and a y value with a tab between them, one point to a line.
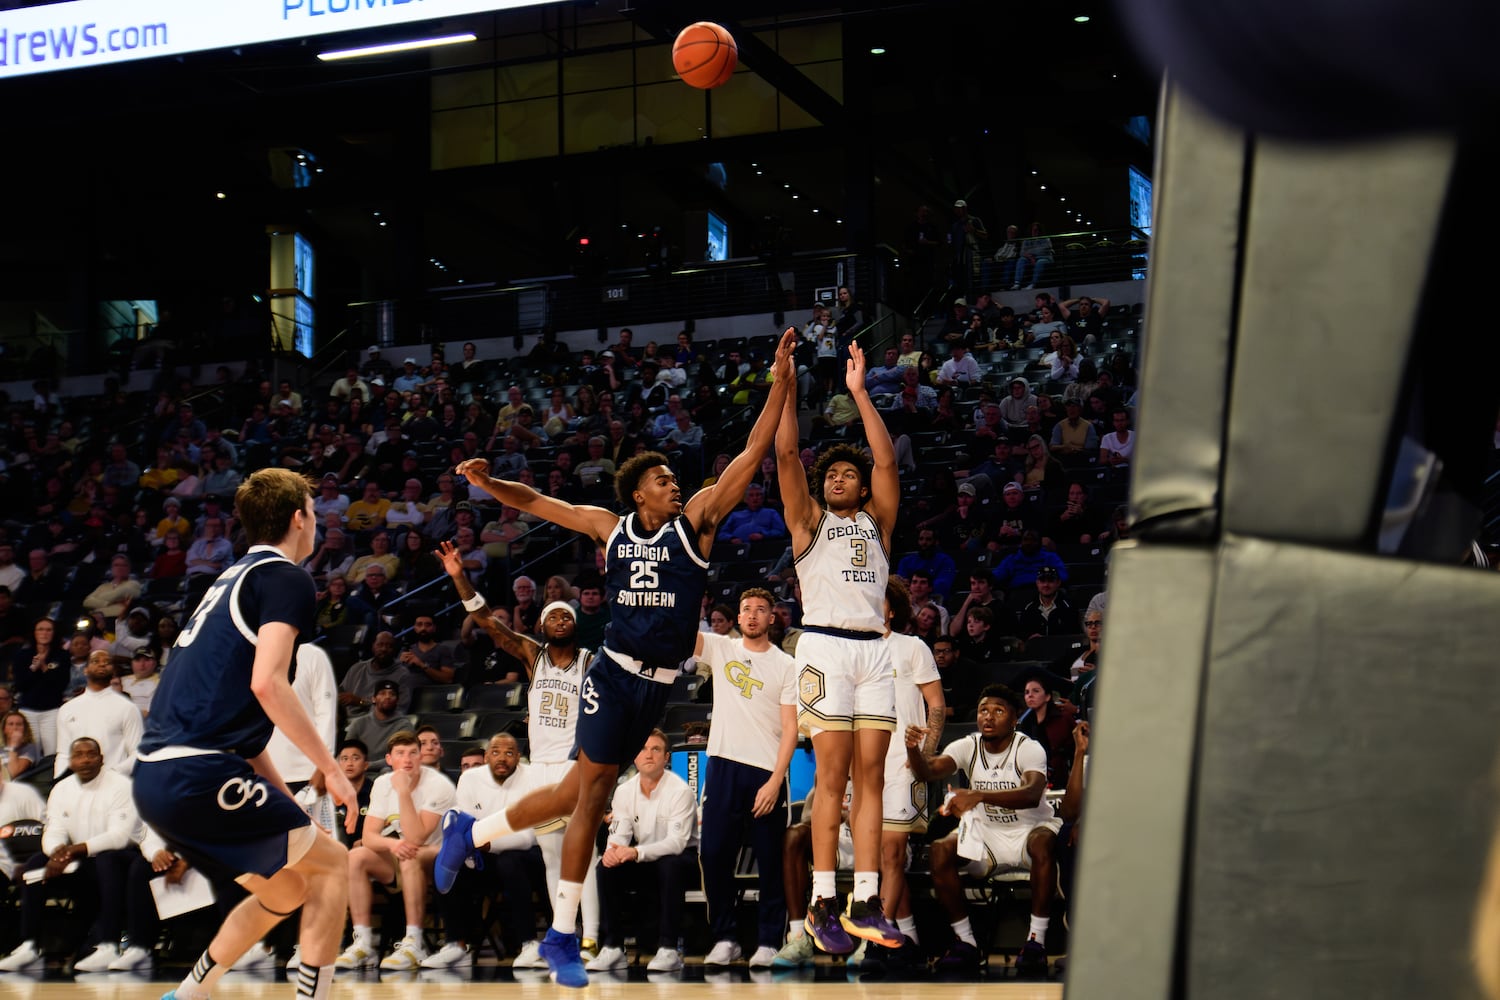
258	956
722	953
665	960
588	948
530	956
359	955
448	956
98	961
295	962
132	958
408	954
763	957
24	957
608	959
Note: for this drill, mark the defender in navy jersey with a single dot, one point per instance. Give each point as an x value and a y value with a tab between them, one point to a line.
656	566
846	681
203	779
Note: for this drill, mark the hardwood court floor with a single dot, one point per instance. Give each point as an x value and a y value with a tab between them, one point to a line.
690	984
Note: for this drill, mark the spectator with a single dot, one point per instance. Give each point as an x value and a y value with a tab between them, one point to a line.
211	551
141	683
512	869
365	678
380	555
593	613
19	750
1013	406
1042	470
354	758
1036	257
981	595
112	596
886	379
11	575
1117	447
753	522
333	558
1078	523
653	844
1049	720
427	660
135	633
100	713
368	512
171	562
400	840
960	368
981	641
960	676
1049	613
1019	569
40	672
1073	435
939	565
344	388
920	582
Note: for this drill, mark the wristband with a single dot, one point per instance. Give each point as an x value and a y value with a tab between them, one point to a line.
476	603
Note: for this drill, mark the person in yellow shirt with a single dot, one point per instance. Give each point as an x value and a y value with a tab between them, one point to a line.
382	556
368	512
163	473
171	520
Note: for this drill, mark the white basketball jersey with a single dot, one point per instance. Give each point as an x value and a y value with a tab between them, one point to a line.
553	706
914	665
989	772
843	574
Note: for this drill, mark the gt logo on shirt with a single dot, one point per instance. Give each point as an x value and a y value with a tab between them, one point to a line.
739	675
589	696
236	792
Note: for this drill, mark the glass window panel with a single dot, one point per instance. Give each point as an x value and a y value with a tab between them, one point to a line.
744	106
527	130
527	46
669	112
526	80
615	32
653	64
810	43
591	121
600	71
463	90
463	138
828	75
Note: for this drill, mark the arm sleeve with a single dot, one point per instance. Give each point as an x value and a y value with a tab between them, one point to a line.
1031	757
135	727
53	834
123	820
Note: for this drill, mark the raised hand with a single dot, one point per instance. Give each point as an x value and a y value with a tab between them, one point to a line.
854	369
475	470
781	365
450	557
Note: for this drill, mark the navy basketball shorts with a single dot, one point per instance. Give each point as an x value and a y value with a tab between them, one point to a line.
618	711
218	813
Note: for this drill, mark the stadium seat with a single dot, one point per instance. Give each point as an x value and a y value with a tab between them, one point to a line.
437	698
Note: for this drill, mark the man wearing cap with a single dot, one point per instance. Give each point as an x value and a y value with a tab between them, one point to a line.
383	720
1049	613
171	520
135	633
140	684
1019	569
102	714
554	675
960	368
410	378
112	596
376	366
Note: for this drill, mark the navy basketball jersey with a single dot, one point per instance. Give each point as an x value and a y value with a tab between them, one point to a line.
654	586
204	699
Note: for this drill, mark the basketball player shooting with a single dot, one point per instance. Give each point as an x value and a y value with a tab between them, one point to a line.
656	571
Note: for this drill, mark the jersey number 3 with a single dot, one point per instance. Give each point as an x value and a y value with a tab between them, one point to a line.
211	598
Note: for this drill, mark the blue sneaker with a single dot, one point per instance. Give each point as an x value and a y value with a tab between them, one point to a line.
169	995
457	848
868	921
822	925
561	953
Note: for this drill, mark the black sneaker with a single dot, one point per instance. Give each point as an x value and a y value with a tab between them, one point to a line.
1031	962
961	958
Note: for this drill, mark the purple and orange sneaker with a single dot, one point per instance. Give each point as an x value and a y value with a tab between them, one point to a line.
868	921
823	926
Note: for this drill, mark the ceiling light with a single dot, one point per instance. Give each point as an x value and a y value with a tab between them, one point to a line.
787	186
795	195
1081	19
815	211
1033	173
877	51
1044	187
1061	198
380	50
839	221
220	195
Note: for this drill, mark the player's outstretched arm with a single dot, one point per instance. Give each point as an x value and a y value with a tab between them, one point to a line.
713	504
925	766
885	485
522	647
594	522
798	507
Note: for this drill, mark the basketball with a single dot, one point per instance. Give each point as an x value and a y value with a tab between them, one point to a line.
704	55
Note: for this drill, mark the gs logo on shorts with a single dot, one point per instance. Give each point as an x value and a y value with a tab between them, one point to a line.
236	793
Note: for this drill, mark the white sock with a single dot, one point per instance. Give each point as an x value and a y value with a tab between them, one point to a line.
414	932
824	886
908	927
964	932
1039	928
205	974
794	930
313	982
488	828
363	935
565	906
866	884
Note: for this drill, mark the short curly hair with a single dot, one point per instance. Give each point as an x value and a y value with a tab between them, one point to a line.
629	475
841	453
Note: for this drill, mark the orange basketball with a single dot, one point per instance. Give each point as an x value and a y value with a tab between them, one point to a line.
704	55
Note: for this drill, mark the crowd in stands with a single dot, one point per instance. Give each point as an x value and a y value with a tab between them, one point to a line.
1014	438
